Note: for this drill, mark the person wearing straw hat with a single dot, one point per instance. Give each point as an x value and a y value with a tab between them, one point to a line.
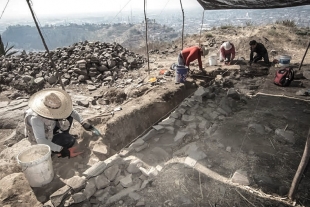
227	53
49	119
191	54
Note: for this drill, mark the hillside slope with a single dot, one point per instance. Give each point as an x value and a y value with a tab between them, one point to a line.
236	124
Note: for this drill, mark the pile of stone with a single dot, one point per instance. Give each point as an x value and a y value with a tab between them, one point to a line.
83	62
105	183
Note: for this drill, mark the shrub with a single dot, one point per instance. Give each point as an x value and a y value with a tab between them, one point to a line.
249	24
209	35
302	33
272	32
226	26
5	50
287	23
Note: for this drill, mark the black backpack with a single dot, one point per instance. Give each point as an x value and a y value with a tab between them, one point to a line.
284	77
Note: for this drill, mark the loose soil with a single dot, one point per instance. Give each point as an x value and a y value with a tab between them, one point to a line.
269	163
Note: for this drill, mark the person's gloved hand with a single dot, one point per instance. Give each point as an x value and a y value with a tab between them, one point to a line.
87	126
64	152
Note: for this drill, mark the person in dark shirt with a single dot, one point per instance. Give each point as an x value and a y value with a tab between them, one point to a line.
261	52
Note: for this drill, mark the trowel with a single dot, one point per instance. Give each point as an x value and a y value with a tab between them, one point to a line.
96	131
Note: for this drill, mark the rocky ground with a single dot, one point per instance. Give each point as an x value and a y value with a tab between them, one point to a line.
230	138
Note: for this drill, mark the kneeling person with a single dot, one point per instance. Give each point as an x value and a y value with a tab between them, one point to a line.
49	119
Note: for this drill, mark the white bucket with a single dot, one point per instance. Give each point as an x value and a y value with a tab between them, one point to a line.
213	60
284	60
36	163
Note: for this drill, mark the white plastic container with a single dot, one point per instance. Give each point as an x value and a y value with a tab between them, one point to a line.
284	60
212	60
36	163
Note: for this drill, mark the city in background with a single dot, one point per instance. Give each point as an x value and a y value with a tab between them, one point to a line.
168	18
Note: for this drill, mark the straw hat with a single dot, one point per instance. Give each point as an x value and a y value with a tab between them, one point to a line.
52	103
227	45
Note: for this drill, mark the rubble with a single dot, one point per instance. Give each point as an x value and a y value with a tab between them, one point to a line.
91	63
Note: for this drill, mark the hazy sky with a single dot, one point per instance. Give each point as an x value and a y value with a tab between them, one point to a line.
20	9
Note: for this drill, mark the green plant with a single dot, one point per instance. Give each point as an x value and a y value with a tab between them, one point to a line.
287	23
272	32
5	51
209	35
226	26
248	24
303	32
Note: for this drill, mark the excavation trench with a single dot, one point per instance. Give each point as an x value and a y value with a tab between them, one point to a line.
134	120
137	117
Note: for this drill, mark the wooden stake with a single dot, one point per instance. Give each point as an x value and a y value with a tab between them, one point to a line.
304	56
286	127
48	52
147	47
301	168
183	23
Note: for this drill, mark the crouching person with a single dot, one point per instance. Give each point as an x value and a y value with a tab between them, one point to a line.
49	119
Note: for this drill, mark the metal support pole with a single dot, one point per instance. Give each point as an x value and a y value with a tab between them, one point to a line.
183	23
48	52
147	47
203	15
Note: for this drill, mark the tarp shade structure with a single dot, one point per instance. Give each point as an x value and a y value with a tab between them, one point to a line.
250	4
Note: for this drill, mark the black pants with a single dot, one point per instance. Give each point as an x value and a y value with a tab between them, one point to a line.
63	139
260	57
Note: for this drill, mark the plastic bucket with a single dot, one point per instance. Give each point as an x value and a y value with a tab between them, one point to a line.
213	60
284	60
180	74
36	163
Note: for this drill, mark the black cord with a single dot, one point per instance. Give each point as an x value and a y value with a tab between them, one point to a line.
4	8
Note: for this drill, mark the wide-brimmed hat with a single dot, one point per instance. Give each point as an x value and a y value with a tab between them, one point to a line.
52	103
227	45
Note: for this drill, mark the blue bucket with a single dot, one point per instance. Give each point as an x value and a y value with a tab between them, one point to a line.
180	74
284	60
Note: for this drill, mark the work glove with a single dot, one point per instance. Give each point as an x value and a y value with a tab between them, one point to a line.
64	152
71	152
87	126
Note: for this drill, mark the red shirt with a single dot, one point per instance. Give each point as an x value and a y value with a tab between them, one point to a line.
231	52
190	54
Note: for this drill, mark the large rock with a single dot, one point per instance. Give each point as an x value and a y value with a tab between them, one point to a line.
15	191
306	74
10	153
8	167
12	115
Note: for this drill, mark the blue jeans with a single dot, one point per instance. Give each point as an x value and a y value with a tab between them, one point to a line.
260	57
64	139
180	59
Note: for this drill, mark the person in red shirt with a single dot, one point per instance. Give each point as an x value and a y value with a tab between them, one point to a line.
190	54
227	52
